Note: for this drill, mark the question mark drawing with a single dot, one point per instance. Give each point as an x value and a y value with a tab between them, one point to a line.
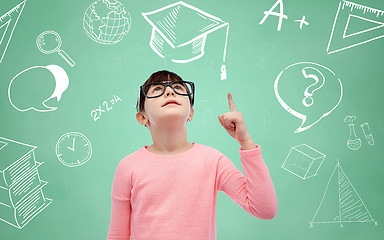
302	104
309	91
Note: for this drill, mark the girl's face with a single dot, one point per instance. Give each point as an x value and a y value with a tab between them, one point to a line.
168	108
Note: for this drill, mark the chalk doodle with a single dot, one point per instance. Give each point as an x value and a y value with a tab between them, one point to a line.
8	23
21	189
96	113
302	22
106	22
367	133
341	203
28	89
73	149
347	31
303	161
354	142
280	14
297	87
49	42
180	31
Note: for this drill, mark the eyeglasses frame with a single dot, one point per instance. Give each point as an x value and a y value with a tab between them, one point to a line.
166	84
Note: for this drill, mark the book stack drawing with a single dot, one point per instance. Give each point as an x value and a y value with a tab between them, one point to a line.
21	189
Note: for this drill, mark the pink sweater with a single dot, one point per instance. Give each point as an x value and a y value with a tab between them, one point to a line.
157	197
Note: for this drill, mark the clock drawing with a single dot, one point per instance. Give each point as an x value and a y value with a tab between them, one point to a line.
73	149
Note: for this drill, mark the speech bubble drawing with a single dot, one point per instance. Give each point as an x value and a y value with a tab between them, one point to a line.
32	88
308	91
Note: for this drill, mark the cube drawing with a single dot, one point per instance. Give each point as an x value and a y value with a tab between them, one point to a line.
303	161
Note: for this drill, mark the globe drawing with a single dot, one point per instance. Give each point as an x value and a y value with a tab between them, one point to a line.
106	21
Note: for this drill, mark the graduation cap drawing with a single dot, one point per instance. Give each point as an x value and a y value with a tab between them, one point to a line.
179	31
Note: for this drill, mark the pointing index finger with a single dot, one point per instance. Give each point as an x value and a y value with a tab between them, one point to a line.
231	103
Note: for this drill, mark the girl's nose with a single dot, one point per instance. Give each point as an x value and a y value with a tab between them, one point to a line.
169	90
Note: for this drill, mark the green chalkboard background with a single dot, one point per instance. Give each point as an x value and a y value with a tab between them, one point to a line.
255	55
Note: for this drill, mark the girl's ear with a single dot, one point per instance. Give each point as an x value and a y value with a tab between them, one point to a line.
190	117
141	118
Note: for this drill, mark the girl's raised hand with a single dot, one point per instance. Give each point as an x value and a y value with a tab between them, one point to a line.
234	124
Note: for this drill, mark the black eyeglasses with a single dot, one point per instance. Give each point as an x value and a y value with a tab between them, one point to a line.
157	89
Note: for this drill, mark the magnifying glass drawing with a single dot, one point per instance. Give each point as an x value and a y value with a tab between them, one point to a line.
49	42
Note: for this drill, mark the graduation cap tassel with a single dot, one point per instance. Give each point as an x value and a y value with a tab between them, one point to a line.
223	69
223	72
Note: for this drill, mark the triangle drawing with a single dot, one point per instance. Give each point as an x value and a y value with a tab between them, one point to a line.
354	25
368	25
8	23
3	31
341	203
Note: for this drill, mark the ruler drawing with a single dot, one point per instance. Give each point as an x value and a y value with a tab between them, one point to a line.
8	23
354	25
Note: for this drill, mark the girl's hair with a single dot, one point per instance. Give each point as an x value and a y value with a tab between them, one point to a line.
160	76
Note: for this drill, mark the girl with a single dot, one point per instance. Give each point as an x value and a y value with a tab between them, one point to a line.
168	190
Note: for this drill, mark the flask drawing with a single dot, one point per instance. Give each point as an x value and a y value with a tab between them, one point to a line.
354	143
